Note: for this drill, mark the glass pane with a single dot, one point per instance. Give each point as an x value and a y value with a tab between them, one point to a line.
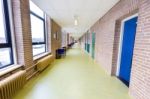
38	49
2	25
34	8
37	28
5	57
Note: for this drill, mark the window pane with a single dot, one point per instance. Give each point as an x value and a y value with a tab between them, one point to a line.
34	8
5	58
2	28
38	49
37	28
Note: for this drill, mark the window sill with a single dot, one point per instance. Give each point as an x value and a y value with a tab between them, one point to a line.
9	69
41	56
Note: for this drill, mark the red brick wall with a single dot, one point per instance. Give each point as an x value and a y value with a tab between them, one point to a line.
56	42
64	39
140	79
107	31
22	32
49	36
22	27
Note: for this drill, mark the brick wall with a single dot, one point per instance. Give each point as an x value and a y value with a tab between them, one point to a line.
64	39
82	42
107	31
55	36
140	79
23	38
70	39
22	27
49	36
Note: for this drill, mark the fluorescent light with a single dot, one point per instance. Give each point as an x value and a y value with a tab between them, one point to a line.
75	20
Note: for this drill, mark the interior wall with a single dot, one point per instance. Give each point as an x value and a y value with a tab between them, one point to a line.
64	39
140	78
22	32
107	31
83	41
23	35
86	39
56	36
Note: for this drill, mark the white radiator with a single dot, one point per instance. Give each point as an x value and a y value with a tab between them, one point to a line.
10	85
44	62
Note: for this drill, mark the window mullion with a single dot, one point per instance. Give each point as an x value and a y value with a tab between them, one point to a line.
38	43
37	15
5	45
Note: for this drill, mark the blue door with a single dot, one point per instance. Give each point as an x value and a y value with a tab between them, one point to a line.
93	45
127	49
88	47
85	46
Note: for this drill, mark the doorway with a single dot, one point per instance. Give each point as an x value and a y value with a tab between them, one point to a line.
127	40
93	45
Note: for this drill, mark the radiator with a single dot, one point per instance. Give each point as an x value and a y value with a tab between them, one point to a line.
44	62
10	85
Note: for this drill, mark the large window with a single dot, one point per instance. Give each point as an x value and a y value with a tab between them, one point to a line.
6	56
38	29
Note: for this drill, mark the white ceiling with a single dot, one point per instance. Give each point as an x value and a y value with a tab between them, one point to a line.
63	12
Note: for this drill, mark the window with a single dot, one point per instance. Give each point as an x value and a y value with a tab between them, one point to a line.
6	55
38	29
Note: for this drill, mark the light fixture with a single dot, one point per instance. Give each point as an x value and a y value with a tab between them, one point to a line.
75	20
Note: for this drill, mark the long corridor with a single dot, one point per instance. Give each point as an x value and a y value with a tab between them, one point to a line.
76	76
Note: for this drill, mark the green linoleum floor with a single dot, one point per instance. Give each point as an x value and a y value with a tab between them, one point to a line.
76	76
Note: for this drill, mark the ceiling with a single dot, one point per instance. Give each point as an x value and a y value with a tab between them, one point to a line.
86	11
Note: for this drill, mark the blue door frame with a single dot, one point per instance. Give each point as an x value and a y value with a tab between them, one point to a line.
129	33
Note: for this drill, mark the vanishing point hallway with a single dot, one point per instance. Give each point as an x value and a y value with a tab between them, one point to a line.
76	76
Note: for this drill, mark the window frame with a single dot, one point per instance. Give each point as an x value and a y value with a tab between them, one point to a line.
44	31
7	29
